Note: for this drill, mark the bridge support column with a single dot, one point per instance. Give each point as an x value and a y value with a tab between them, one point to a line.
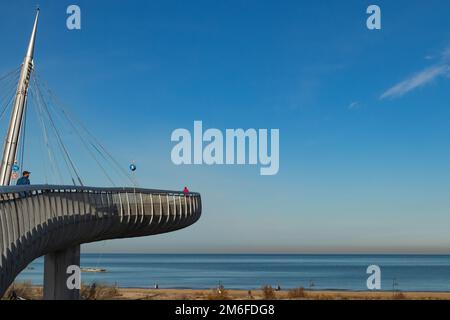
55	276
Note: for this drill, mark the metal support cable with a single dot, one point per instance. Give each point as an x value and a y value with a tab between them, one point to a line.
7	105
39	112
6	75
58	135
9	86
46	142
9	82
85	144
99	147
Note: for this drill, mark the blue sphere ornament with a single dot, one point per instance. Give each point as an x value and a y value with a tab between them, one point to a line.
15	168
132	167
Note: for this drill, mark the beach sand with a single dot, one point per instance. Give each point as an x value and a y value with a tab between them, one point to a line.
111	293
189	294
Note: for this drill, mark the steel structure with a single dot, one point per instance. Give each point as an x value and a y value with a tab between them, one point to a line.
38	220
15	123
54	220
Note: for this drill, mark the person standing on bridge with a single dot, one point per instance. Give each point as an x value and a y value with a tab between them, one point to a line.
25	179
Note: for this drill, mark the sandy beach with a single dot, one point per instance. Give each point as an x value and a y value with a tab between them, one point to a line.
101	292
189	294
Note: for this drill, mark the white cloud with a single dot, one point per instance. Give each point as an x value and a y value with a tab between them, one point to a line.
418	80
354	105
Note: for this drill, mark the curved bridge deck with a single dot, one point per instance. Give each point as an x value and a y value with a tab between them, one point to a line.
39	219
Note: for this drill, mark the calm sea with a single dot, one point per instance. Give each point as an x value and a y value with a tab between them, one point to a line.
242	271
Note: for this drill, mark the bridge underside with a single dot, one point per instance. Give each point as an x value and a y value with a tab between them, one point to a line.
38	220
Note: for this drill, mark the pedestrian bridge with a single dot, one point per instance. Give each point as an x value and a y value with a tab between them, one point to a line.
39	219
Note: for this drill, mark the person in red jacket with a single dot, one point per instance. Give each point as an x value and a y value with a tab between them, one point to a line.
186	191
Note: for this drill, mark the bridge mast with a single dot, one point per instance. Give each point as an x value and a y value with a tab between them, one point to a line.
55	263
15	123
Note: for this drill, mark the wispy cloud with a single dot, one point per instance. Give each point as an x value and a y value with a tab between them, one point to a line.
440	69
443	55
354	105
417	80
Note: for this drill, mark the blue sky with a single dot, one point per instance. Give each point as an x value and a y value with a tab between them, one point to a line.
363	115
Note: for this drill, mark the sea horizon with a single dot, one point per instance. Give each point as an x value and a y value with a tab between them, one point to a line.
336	272
277	253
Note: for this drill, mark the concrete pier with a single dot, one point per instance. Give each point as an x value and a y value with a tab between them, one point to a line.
55	274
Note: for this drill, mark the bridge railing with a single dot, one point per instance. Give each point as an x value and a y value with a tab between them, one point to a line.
12	189
122	201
